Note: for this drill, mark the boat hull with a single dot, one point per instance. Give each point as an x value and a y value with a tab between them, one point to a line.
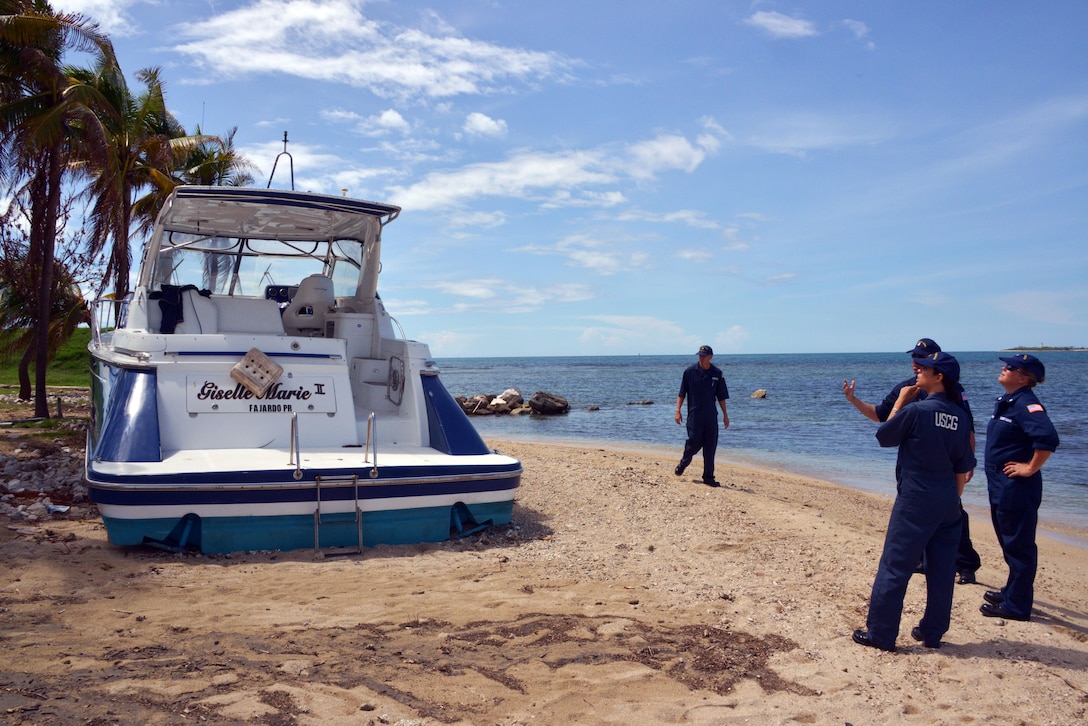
272	511
224	534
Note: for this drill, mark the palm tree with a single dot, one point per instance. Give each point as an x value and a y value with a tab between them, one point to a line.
43	115
18	291
147	149
199	159
141	136
215	163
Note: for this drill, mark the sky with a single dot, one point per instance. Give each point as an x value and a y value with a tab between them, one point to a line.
622	177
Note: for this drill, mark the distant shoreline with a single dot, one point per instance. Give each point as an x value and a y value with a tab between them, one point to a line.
1045	348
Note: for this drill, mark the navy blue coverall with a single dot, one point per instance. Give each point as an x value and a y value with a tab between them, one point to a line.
703	390
933	436
1018	427
967	559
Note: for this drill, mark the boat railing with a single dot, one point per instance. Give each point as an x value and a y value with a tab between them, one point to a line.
371	433
399	328
295	456
296	453
107	313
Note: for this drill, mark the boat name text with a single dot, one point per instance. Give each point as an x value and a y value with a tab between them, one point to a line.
211	391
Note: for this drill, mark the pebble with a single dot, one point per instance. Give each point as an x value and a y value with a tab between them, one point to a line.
36	476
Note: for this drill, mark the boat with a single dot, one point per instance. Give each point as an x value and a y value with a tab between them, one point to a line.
253	393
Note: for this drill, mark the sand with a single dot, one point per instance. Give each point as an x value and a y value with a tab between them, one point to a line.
621	594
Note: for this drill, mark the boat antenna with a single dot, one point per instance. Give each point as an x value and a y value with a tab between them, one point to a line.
277	161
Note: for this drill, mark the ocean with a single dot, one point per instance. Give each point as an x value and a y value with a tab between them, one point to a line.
804	425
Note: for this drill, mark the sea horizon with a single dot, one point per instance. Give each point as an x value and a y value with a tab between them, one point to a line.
803	426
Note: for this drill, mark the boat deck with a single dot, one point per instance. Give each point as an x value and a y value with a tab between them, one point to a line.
224	463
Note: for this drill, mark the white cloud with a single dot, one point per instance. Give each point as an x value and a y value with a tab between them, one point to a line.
733	242
1063	307
494	295
689	217
479	288
406	307
732	338
779	279
634	332
380	124
340	115
112	16
1017	136
582	250
453	344
781	26
387	120
566	292
478	220
695	255
647	158
518	177
713	127
478	124
858	28
415	150
554	179
332	40
799	133
564	199
861	32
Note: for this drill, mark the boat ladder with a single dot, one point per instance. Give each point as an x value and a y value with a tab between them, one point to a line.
337	519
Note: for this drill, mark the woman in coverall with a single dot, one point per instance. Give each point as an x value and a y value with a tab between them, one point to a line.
933	436
1019	440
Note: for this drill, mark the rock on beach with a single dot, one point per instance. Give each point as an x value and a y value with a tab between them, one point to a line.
511	401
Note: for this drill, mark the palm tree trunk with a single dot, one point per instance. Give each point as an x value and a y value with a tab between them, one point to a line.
122	256
25	391
45	287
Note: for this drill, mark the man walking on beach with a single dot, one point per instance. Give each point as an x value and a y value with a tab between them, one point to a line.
967	561
704	387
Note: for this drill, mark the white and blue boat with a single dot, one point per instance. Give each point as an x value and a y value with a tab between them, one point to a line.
252	393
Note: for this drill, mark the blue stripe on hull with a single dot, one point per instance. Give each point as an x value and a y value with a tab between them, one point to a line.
386	474
147	493
220	535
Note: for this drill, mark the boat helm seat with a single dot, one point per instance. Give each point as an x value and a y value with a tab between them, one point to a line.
305	314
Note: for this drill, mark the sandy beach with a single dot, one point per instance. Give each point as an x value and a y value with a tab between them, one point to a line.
620	594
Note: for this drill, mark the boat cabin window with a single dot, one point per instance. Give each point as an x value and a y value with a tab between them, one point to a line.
250	267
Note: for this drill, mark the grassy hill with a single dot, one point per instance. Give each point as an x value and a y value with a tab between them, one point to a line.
71	367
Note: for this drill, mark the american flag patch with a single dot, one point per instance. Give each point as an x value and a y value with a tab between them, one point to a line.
1035	408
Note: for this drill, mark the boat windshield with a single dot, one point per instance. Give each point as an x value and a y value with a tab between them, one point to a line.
239	266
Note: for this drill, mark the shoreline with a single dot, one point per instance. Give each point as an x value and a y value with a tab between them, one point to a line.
619	594
1062	531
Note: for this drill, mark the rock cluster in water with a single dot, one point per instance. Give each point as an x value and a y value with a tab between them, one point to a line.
511	401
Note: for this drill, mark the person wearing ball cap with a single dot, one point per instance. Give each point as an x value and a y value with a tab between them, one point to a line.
1019	439
935	458
703	385
968	561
